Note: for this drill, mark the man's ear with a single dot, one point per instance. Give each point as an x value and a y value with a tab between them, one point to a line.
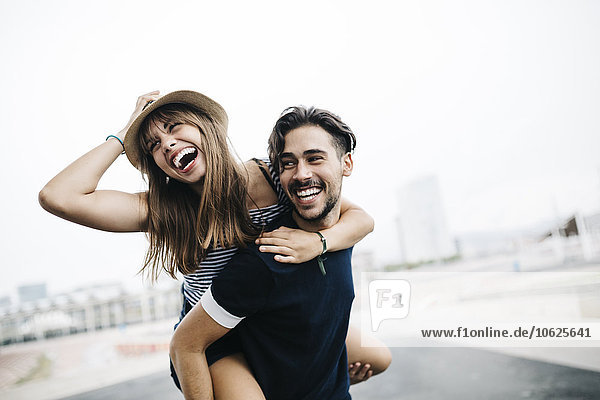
347	164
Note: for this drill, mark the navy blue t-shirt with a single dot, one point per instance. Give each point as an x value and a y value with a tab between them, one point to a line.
292	320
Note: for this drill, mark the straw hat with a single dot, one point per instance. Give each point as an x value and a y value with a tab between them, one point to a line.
194	99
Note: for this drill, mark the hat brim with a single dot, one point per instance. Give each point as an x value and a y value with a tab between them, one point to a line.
189	97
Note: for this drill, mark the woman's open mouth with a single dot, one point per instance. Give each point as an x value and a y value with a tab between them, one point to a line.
184	159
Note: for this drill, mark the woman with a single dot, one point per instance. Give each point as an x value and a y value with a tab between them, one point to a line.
195	210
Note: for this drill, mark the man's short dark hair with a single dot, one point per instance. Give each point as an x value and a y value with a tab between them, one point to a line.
295	117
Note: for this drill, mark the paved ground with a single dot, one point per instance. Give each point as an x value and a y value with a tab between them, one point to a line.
128	363
424	374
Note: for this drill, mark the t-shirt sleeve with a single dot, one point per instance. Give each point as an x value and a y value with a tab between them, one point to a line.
240	290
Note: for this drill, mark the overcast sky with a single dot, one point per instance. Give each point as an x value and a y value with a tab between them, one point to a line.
499	99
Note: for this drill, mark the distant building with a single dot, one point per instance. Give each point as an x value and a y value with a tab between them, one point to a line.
85	310
422	222
5	301
576	237
32	292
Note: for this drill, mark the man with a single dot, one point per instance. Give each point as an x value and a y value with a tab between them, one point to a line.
291	319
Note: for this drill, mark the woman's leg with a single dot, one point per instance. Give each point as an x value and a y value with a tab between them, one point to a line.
365	361
232	379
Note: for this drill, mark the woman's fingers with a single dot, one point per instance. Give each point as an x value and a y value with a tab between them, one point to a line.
150	94
280	233
283	250
302	245
141	103
271	241
285	259
283	254
145	98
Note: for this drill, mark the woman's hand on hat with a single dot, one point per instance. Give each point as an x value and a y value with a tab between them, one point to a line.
290	245
141	103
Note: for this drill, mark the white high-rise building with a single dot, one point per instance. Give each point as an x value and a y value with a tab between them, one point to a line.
422	223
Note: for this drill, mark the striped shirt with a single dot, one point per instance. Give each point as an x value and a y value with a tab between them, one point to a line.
196	283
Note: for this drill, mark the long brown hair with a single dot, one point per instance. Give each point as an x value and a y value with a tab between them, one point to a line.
182	224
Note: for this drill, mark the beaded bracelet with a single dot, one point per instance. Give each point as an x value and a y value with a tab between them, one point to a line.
119	139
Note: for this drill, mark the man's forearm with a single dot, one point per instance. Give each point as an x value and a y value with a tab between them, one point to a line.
188	345
194	375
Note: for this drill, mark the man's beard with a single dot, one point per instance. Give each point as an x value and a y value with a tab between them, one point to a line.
330	201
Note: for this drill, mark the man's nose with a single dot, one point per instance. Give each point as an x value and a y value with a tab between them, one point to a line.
303	171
